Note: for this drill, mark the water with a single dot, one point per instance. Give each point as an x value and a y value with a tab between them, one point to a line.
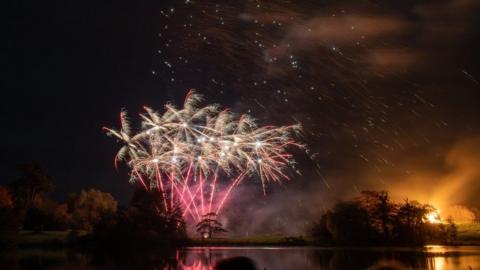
276	258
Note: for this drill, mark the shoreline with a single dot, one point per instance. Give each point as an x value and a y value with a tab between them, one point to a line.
68	239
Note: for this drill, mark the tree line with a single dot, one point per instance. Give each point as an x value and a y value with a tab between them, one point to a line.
25	204
374	219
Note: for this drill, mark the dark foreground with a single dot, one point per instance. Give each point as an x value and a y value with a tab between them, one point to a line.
277	258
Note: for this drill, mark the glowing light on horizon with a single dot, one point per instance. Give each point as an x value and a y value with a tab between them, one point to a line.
433	217
195	156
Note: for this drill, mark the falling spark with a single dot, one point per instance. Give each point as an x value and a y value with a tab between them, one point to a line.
195	156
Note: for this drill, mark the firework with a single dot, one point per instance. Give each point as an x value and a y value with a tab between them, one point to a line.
195	156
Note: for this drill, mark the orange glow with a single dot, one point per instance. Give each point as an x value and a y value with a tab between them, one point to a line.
433	217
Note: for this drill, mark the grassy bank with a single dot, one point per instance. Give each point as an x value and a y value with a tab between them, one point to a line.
62	238
45	238
258	240
469	233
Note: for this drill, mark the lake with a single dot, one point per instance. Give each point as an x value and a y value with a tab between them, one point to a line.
270	258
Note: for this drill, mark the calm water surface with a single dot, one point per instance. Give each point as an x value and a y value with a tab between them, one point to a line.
270	258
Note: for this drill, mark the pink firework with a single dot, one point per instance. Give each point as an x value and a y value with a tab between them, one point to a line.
195	156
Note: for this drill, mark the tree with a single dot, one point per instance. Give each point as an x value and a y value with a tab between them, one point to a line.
380	209
33	183
150	199
373	219
476	213
451	231
8	217
46	215
175	222
349	224
320	231
145	221
5	198
209	225
410	227
148	210
89	207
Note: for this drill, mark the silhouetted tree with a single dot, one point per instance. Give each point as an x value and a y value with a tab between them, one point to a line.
209	225
410	222
349	224
8	217
320	232
47	215
5	198
373	219
380	209
476	213
451	231
144	221
34	182
90	206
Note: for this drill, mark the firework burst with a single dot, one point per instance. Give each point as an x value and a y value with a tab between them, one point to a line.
195	156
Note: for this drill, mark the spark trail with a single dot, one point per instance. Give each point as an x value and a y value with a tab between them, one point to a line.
196	156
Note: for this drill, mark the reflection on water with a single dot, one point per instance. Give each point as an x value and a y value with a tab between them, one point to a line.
430	257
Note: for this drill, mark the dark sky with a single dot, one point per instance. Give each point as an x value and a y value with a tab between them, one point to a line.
387	91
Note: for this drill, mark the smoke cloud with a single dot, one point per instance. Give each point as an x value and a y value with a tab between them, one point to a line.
452	186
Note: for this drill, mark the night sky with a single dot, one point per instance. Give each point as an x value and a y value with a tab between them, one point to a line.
388	92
